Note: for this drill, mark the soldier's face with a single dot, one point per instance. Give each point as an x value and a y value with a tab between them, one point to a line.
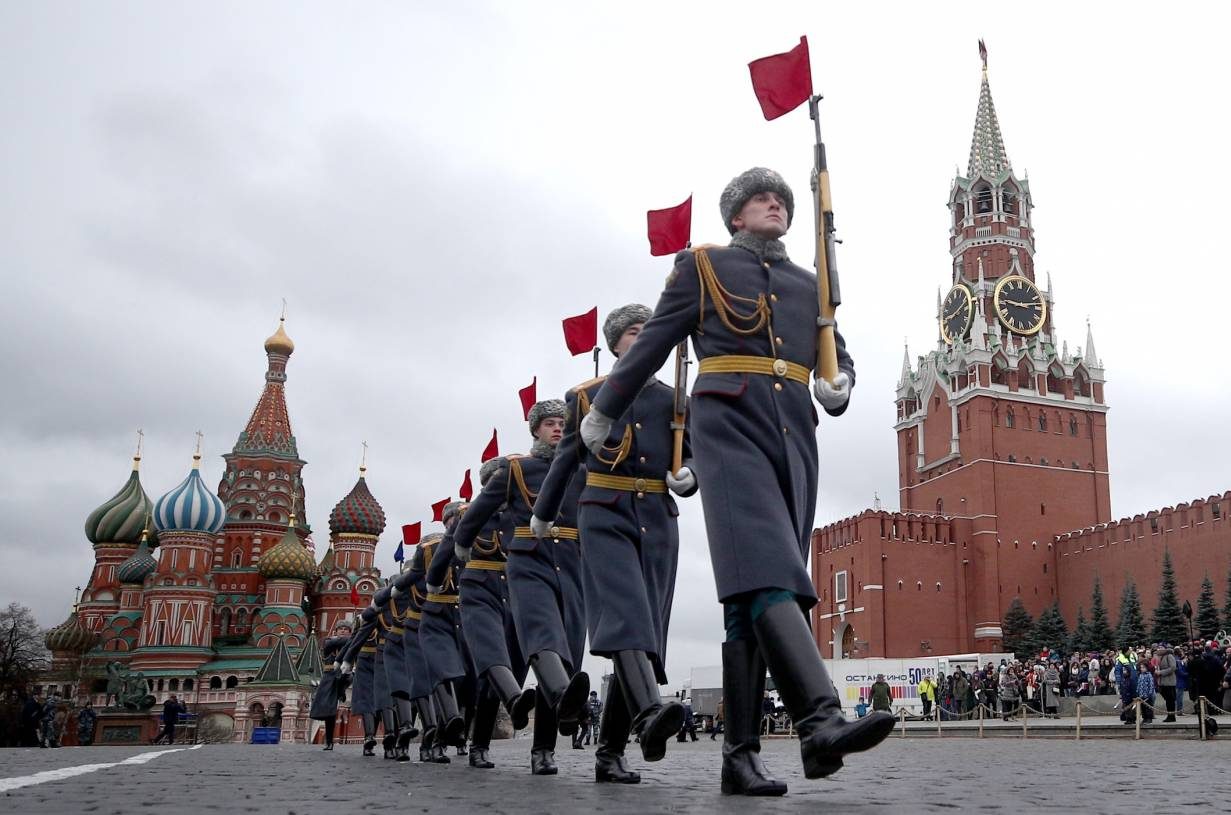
764	216
627	339
550	430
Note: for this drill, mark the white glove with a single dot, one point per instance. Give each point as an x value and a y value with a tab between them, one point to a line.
433	589
682	482
346	668
462	553
594	430
539	527
835	395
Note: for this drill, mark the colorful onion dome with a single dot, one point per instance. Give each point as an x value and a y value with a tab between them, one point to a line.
70	636
279	342
122	517
190	507
139	565
358	512
289	559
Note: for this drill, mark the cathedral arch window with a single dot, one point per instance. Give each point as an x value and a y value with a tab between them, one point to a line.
1009	419
1042	420
1081	382
173	685
1025	376
1008	199
1072	425
224	622
241	618
187	684
245	515
215	683
237	558
983	198
232	682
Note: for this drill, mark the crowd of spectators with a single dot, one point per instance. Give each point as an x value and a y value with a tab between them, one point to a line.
1179	675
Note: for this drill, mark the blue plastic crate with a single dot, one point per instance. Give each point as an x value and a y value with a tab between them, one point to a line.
266	735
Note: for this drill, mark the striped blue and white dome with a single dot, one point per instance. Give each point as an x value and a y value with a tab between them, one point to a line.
190	507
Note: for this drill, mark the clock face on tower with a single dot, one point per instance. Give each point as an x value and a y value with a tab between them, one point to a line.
1019	305
956	313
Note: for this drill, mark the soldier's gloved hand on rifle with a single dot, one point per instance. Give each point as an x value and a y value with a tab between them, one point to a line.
682	482
433	589
462	553
832	395
539	527
594	430
346	668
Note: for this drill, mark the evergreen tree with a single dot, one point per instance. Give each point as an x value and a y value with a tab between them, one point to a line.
1169	624
1079	640
1131	628
1101	636
1226	606
1206	621
1050	630
1016	627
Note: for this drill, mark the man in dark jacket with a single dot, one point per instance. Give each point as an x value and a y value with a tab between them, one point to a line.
171	710
753	316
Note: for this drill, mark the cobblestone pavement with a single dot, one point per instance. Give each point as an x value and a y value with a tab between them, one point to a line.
902	776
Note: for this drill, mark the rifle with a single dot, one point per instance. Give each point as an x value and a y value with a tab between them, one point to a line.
681	405
828	295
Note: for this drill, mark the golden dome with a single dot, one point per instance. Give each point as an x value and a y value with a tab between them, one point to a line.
280	343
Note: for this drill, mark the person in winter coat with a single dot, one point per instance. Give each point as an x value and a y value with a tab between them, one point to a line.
1165	674
1146	691
881	697
1051	691
1010	693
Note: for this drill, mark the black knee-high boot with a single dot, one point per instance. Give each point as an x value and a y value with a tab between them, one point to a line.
654	721
389	720
824	733
743	687
427	715
543	748
406	728
438	745
508	691
614	726
484	722
453	727
369	734
330	723
567	695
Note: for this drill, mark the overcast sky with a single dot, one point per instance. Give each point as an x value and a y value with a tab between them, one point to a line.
432	187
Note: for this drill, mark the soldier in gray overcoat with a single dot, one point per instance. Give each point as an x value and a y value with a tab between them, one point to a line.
753	318
545	585
361	654
397	677
630	550
413	582
332	688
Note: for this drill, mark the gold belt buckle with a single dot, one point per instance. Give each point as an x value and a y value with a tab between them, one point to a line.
555	531
780	367
639	484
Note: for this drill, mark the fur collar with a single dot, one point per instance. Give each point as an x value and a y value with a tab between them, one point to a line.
763	249
543	450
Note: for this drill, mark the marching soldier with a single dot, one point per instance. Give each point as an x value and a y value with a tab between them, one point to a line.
544	578
448	662
380	678
332	687
487	622
397	677
630	550
361	654
413	583
753	318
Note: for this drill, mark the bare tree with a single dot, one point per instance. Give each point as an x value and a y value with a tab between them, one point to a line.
22	653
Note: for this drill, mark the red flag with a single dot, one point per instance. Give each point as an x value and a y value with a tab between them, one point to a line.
438	509
782	82
410	533
355	599
581	332
528	396
466	490
670	229
491	450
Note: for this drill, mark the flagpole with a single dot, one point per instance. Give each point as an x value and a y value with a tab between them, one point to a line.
597	351
827	292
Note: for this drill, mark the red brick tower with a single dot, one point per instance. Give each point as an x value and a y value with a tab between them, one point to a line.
1001	427
261	489
355	526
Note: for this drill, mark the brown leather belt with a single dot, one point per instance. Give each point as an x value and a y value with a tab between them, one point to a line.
735	364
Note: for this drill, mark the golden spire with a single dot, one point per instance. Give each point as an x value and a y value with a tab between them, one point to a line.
279	342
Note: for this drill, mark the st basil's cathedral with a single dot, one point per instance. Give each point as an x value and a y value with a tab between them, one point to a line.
219	597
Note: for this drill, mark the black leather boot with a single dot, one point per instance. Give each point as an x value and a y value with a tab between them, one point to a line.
406	728
543	748
369	734
567	695
743	686
613	729
453	728
478	759
824	733
427	715
653	721
438	754
389	721
516	701
484	722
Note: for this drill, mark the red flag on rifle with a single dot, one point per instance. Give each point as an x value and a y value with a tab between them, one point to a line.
491	450
466	490
782	82
528	396
670	230
410	533
581	332
438	509
355	599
